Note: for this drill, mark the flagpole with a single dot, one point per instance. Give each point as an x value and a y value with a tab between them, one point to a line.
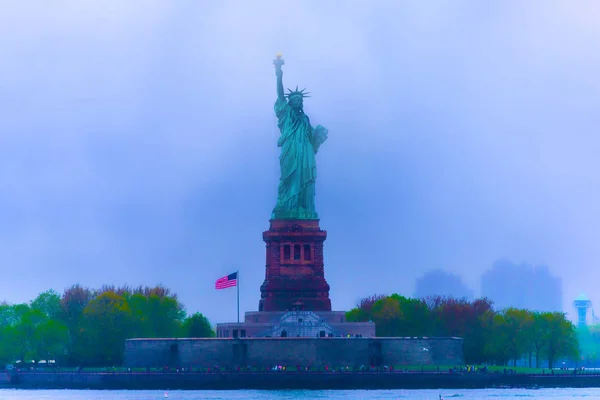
238	296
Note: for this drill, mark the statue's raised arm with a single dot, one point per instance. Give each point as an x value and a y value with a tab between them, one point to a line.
299	143
278	62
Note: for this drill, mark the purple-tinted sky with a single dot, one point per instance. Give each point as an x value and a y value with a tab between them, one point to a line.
138	141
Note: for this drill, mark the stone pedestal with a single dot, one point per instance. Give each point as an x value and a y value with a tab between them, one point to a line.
294	276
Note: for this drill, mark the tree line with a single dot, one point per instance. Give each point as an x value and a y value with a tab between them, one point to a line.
498	337
88	327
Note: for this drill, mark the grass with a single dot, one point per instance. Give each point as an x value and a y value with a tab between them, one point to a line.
398	368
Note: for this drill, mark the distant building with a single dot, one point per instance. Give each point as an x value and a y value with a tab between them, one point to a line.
522	286
582	304
441	283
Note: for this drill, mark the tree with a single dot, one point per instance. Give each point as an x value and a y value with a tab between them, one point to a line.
156	312
197	326
367	303
90	326
387	316
466	319
8	315
141	322
497	340
26	330
48	303
47	334
561	337
397	315
489	336
539	337
10	342
107	323
73	302
357	315
519	324
165	314
393	315
362	311
50	340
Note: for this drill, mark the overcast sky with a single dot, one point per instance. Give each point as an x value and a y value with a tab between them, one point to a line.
138	141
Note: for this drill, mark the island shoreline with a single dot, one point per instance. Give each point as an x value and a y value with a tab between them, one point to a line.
291	380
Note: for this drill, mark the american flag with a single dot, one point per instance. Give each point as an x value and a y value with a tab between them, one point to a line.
227	281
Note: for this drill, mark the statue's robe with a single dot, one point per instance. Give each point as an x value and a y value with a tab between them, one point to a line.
299	143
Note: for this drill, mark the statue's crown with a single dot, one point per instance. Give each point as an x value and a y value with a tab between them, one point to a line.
297	92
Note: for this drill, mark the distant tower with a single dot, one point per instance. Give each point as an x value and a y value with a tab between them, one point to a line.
582	304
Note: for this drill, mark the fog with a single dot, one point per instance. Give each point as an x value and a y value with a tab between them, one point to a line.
138	143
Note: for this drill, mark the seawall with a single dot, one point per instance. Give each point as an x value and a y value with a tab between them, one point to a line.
292	352
5	379
292	380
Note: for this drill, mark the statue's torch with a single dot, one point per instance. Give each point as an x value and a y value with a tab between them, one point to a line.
278	62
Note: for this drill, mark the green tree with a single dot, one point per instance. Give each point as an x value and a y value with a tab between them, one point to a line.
393	315
26	329
357	315
363	310
107	323
397	315
48	302
497	344
51	339
73	301
197	326
539	337
9	345
518	324
165	315
48	335
388	317
38	336
91	326
561	338
156	311
9	339
8	316
141	321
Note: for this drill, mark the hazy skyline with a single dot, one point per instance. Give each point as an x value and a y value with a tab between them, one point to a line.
139	143
438	282
534	288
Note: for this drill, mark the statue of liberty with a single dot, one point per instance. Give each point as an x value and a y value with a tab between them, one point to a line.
299	143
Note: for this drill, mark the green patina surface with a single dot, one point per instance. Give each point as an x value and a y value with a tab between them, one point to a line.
299	143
